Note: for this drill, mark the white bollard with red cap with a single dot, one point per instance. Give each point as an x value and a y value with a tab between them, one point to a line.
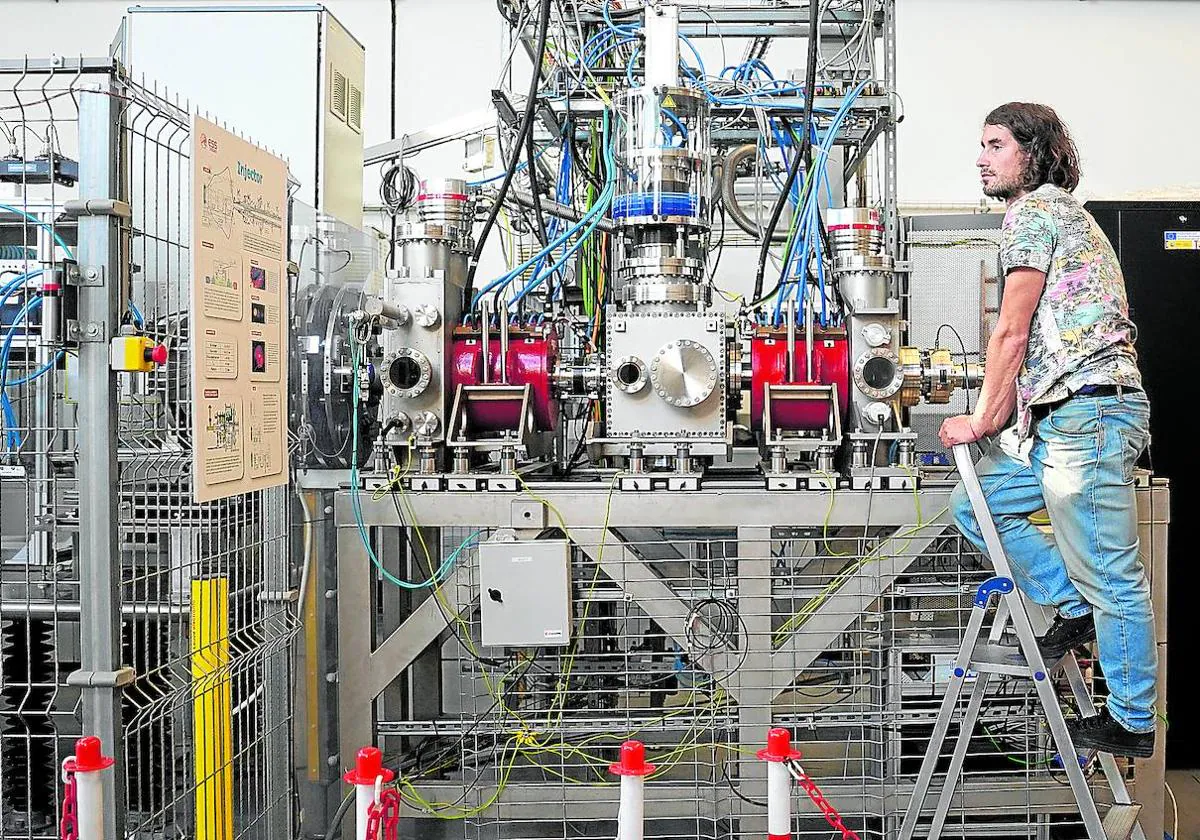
633	769
779	783
367	774
84	778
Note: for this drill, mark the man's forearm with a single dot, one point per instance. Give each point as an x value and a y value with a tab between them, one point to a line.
1005	355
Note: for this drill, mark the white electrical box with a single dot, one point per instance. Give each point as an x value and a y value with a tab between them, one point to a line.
525	593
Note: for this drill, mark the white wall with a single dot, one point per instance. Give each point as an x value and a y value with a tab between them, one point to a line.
1125	74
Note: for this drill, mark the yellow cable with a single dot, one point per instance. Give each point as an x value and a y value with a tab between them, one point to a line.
805	612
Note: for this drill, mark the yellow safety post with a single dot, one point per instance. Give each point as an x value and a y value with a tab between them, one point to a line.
212	723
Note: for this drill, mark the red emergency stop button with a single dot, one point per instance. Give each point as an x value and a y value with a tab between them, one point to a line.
157	354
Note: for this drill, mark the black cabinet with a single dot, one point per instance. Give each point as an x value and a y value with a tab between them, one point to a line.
1157	243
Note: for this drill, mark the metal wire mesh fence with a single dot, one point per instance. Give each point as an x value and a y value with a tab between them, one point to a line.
201	589
39	575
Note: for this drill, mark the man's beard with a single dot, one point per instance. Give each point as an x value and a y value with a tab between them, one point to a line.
1003	190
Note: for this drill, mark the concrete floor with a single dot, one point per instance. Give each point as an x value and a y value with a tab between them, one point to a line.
1185	784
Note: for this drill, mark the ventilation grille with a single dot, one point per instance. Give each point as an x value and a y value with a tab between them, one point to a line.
338	97
354	108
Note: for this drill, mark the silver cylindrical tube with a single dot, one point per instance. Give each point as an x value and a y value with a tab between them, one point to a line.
808	339
442	200
854	230
503	313
791	340
485	338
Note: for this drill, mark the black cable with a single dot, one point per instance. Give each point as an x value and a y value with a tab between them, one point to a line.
805	151
335	825
578	158
392	250
572	461
526	126
539	229
479	719
937	340
540	235
735	791
502	6
349	258
722	207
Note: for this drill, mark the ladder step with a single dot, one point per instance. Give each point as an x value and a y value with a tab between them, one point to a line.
999	659
1120	820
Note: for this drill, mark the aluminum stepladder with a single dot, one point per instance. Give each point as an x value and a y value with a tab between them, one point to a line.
987	658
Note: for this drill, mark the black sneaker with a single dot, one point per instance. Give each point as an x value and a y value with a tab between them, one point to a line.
1064	635
1101	732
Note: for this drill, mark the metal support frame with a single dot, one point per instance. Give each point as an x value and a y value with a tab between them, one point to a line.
767	670
366	669
100	240
890	184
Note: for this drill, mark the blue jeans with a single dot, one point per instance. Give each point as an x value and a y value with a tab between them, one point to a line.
1081	472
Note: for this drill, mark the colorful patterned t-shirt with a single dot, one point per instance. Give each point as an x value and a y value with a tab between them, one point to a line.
1081	333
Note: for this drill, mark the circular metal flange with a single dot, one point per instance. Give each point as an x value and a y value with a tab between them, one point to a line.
642	292
662	264
863	262
878	373
426	424
399	427
684	373
459	237
407	372
426	315
629	375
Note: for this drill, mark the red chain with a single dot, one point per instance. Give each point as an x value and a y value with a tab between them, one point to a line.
385	811
68	826
814	793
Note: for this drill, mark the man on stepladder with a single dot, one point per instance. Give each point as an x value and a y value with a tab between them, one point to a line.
1062	356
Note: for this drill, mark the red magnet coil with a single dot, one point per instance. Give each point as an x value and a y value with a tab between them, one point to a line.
768	366
531	359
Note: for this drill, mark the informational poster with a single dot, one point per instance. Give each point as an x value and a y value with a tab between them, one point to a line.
239	315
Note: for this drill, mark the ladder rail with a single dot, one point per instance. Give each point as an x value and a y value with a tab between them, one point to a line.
941	727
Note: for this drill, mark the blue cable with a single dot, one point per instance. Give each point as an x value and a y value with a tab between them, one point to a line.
591	61
602	203
810	221
46	368
518	168
16	282
562	196
591	216
11	435
629	65
620	30
680	128
40	224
